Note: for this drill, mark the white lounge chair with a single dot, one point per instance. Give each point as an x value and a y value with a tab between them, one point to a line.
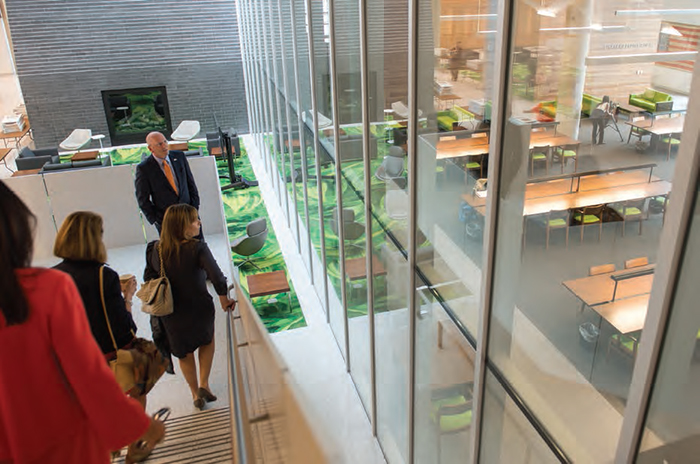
187	130
402	110
76	140
322	120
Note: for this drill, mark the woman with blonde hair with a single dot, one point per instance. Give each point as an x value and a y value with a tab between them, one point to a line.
188	263
60	401
107	301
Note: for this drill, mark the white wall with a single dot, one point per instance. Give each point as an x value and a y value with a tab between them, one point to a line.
110	192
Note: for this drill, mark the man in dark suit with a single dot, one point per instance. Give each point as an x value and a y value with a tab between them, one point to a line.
163	179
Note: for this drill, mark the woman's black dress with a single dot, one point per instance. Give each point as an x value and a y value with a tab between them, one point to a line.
191	324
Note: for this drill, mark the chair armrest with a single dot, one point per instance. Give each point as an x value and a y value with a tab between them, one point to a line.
664	106
33	162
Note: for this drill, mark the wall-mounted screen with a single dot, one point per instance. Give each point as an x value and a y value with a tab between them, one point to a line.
133	113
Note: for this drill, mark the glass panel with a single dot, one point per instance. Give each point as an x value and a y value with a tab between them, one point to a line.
673	420
578	205
317	191
455	87
444	383
388	62
292	141
504	423
307	138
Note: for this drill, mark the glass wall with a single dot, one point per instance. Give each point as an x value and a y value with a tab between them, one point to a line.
592	128
673	420
544	154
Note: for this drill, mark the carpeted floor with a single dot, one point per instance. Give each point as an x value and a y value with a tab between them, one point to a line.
278	312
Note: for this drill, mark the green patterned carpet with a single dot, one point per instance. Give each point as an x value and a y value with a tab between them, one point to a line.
241	207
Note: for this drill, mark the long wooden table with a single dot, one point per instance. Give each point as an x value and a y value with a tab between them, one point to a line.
598	289
543	197
477	146
660	126
628	311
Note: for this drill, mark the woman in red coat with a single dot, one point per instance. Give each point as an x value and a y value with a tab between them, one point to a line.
59	402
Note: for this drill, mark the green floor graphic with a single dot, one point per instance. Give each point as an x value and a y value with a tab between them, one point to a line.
241	207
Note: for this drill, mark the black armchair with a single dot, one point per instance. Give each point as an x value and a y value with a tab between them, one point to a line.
36	159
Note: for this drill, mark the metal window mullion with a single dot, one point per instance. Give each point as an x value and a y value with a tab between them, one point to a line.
289	122
364	76
269	65
244	62
412	145
317	159
262	78
338	180
271	110
283	197
305	166
300	122
256	57
497	142
674	236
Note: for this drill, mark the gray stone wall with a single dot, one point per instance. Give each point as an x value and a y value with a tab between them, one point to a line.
67	52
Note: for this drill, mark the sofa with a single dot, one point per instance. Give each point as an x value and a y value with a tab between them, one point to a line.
588	104
99	162
652	101
448	119
29	158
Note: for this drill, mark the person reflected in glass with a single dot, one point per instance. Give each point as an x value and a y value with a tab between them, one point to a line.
455	60
188	263
61	402
599	118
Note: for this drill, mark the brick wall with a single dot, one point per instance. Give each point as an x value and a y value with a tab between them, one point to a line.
68	52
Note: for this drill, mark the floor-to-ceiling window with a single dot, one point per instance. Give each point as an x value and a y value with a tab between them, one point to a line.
535	159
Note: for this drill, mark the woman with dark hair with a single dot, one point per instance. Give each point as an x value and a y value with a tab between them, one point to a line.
57	394
187	263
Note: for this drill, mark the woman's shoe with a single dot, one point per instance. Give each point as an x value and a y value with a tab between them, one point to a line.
199	403
206	395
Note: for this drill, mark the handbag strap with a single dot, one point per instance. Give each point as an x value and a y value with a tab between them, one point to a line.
104	306
160	258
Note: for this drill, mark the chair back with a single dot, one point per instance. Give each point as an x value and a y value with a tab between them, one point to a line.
595	210
601	269
393	167
256	227
544	149
636	262
478	135
256	232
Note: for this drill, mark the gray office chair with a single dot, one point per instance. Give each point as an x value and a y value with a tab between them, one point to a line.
352	230
391	169
251	242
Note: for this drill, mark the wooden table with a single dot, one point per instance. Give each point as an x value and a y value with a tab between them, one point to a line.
598	289
269	283
660	126
85	155
446	98
3	154
626	315
356	268
181	146
26	172
18	135
609	192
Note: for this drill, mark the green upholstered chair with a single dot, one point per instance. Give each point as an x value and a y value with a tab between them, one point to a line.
589	215
630	210
627	344
658	205
451	411
671	140
565	153
539	154
554	220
